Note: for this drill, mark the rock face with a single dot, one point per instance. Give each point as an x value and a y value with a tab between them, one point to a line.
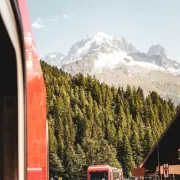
157	50
115	61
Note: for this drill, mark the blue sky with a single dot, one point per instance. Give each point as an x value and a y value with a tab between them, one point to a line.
58	24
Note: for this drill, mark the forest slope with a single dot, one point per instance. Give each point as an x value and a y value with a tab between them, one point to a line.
92	123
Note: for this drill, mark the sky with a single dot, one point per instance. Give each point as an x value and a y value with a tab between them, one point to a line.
58	24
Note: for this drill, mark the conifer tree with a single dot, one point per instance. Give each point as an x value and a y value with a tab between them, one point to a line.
126	157
136	148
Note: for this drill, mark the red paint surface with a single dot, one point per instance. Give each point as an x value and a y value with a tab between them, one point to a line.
103	167
36	104
35	175
98	168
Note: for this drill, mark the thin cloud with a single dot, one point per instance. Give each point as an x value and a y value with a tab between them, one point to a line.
38	23
54	19
65	16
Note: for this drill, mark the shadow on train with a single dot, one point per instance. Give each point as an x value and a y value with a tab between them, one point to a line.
8	108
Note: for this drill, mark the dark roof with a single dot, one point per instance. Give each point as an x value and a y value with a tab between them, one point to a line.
168	144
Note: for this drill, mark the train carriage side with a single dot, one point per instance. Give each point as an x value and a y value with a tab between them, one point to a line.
23	133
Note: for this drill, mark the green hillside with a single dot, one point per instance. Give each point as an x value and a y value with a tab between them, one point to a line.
92	123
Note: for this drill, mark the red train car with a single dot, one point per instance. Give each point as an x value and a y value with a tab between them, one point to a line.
23	124
104	172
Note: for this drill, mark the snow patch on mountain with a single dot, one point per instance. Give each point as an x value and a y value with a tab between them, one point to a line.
52	56
111	60
54	59
120	59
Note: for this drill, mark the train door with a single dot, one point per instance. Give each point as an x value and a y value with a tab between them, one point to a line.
12	99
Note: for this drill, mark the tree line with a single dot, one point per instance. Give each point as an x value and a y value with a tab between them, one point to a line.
93	123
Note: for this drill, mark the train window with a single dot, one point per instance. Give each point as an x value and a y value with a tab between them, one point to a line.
99	175
115	175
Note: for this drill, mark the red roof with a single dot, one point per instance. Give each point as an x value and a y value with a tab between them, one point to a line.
99	167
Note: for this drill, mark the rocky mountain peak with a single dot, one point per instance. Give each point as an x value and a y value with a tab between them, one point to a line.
157	50
98	43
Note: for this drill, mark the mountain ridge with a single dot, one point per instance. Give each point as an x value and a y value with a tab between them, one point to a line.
116	61
103	43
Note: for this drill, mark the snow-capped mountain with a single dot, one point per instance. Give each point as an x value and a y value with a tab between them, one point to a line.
54	59
98	44
112	52
116	61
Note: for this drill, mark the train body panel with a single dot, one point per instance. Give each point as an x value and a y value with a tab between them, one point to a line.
24	155
37	144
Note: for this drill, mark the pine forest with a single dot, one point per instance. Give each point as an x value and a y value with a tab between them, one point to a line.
93	123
